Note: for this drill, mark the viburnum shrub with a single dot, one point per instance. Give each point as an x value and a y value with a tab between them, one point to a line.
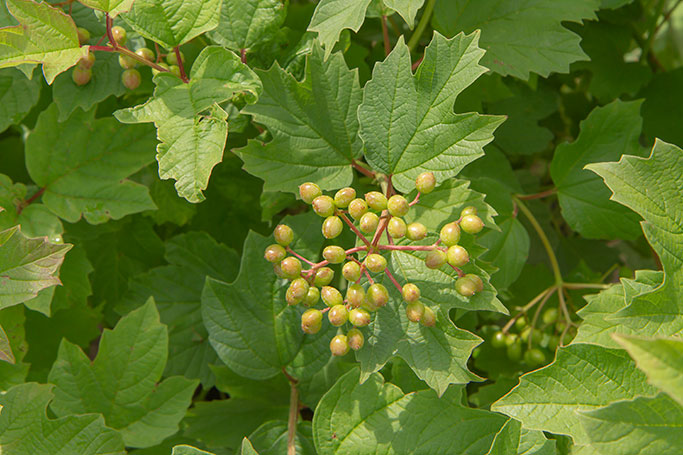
341	227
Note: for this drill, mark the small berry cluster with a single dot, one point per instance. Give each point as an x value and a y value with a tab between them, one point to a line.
375	213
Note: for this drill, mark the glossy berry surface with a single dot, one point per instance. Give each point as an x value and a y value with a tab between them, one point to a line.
425	182
331	296
471	224
428	317
355	295
312	296
83	35
376	200
339	345
81	76
465	287
478	283
435	259
338	315
375	263
469	210
146	53
359	317
416	231
311	321
357	208
457	256
410	292
398	205
283	234
275	253
119	34
368	223
355	338
332	227
88	61
450	234
309	191
534	357
396	228
415	311
334	254
323	206
296	291
127	62
323	276
351	271
378	295
343	197
131	79
498	340
291	268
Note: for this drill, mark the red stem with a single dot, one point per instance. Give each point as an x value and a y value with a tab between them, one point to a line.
528	197
417	63
393	280
355	230
368	275
299	256
416	200
30	200
458	271
183	76
362	170
385	36
243	56
407	247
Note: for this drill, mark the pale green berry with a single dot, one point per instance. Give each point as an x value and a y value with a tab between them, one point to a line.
175	70
338	315
355	338
416	231
81	76
378	295
332	227
331	296
334	254
312	296
83	35
425	182
396	228
339	345
309	191
465	286
311	321
428	318
534	357
550	316
368	223
457	256
291	268
127	62
88	61
398	205
450	234
410	292
476	280
359	317
415	311
469	210
435	259
514	351
343	197
355	295
376	200
375	263
323	276
119	34
357	208
161	64
471	224
172	58
275	253
283	234
131	79
297	291
146	53
323	206
351	271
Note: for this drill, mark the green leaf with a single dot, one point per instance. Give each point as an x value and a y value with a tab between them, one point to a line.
662	107
35	220
13	324
190	123
333	16
173	25
407	122
608	133
271	438
121	383
375	417
583	377
44	35
26	429
520	36
112	7
406	8
83	175
27	266
6	354
188	450
508	249
17	96
247	448
313	123
248	24
662	361
507	439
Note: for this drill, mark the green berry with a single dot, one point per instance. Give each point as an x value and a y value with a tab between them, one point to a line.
283	234
175	70
351	271
127	62
334	254
368	223
332	227
291	268
396	228
119	34
172	59
359	317
510	339
428	318
131	79
498	340
275	253
536	335
521	323
550	316
338	315
410	293
425	182
398	205
450	234
357	208
331	296
355	295
88	61
312	296
471	224
375	263
435	259
560	326
297	291
339	345
534	357
355	338
377	295
311	321
469	210
323	276
416	231
465	286
514	351
457	256
376	200
323	206
309	191
161	64
476	280
344	197
81	76
146	53
83	35
415	311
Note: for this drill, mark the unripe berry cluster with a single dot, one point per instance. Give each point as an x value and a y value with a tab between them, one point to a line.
374	215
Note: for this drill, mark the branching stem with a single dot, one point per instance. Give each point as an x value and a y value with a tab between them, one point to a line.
181	65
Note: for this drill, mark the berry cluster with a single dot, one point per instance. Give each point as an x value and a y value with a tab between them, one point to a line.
374	214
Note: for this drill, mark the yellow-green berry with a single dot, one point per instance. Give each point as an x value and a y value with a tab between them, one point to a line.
291	268
323	206
81	76
415	311
146	53
88	61
309	191
275	253
332	227
323	276
410	292
339	345
331	296
83	35
131	79
376	200
450	234
359	317
428	318
396	228
425	182
368	223
416	231
465	286
476	280
283	234
297	291
471	224
435	259
457	256
398	205
355	338
119	34
378	295
469	210
127	62
311	321
351	271
357	208
334	254
375	263
355	295
338	315
312	296
343	197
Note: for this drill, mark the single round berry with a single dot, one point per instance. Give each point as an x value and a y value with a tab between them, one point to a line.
275	253
339	345
296	291
81	76
146	53
323	276
457	256
536	335
119	34
435	259
344	197
357	208
410	292
309	191
415	311
377	295
476	280
323	206
368	223
450	234
291	268
521	323
283	234
396	228
174	69
550	316
355	338
332	227
351	271
428	317
331	296
498	340
425	182
88	61
398	205
83	35
359	317
311	321
172	58
560	326
510	339
161	64
375	263
514	351
376	200
355	295
131	79
338	315
534	357
416	231
334	254
465	286
469	210
471	224
312	296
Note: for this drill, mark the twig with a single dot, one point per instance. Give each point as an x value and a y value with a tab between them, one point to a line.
362	170
393	280
407	247
667	15
415	201
243	55
543	302
526	308
299	256
293	413
385	36
542	194
355	229
29	201
181	66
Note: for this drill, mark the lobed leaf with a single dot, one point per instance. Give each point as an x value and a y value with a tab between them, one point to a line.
18	95
247	24
333	16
